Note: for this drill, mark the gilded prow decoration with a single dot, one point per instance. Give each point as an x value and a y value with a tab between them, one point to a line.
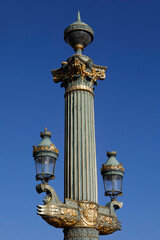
77	213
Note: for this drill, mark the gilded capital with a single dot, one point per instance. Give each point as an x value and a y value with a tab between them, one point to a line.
79	69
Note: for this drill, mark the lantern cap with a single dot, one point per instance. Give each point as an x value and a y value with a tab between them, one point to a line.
111	159
112	165
45	147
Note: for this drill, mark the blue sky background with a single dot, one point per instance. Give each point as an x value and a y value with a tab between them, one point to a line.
127	106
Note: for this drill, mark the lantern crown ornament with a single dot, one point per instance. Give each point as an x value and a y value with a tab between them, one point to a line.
78	35
112	172
45	155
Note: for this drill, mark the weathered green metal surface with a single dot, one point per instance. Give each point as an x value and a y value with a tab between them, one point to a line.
80	150
45	147
81	234
78	25
112	162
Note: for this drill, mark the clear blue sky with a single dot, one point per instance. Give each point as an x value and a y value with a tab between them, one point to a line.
127	106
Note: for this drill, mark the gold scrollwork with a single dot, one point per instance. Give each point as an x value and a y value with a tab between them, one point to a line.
68	211
59	222
103	230
89	213
78	66
112	167
58	216
85	215
51	148
104	219
108	224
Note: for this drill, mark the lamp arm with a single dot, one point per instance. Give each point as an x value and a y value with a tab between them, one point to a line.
51	196
114	205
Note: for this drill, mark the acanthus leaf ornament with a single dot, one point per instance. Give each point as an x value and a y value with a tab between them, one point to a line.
76	66
51	148
112	167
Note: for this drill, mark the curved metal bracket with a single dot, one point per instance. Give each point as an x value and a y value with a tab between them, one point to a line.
51	196
114	205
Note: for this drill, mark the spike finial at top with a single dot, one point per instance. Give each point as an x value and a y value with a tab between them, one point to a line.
78	17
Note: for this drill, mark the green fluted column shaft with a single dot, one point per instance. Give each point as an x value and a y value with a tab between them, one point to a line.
80	149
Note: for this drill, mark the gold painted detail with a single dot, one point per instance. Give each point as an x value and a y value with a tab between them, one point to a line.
82	215
77	66
105	219
78	46
59	222
88	214
69	211
45	133
112	167
51	148
58	216
108	224
113	153
79	87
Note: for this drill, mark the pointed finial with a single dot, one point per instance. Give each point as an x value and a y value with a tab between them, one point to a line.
78	17
110	154
45	133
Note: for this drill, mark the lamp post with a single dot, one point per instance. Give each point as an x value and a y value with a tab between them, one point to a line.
79	215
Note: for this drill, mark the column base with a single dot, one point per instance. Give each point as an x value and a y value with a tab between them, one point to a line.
81	234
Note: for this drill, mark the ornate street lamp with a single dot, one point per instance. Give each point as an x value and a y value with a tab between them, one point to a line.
112	172
79	215
45	156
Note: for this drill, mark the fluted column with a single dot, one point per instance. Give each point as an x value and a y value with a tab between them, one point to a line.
80	148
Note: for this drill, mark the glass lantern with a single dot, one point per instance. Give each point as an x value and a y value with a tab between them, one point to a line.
45	156
113	184
45	166
112	172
